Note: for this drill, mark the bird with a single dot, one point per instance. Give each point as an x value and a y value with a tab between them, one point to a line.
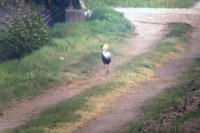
106	56
88	14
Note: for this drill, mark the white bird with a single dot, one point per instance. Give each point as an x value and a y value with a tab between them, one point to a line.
88	14
106	56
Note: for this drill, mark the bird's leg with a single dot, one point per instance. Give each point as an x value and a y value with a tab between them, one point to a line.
107	72
105	69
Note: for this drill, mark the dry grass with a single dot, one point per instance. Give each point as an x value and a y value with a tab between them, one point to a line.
98	104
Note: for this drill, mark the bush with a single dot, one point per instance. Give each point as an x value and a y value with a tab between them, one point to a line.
25	33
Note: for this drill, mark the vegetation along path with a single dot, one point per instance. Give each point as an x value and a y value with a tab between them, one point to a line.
150	25
126	108
21	112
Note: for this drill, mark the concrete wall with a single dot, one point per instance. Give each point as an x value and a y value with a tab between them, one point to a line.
74	15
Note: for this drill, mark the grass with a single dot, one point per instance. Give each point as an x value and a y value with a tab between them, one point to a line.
65	111
76	42
22	78
151	111
189	118
165	50
72	113
178	30
73	44
170	99
141	3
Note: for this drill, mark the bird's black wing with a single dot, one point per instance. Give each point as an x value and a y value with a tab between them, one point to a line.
106	60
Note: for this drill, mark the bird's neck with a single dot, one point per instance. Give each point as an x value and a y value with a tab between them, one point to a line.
105	50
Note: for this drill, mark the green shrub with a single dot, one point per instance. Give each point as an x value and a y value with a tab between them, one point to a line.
25	33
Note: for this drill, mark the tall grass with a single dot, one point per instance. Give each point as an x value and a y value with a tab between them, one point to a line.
141	3
65	113
102	17
26	77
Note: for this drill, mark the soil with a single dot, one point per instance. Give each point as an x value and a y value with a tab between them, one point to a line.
150	28
189	103
126	108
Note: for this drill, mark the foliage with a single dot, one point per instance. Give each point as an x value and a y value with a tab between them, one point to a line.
140	3
26	32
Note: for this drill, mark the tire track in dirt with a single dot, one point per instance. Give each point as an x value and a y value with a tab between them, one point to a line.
20	112
126	108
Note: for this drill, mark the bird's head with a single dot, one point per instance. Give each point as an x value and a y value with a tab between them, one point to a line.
104	47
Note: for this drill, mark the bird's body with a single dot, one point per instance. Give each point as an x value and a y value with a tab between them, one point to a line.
106	56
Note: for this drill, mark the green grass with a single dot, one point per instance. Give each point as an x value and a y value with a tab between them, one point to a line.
141	3
101	19
153	108
65	112
151	111
75	42
22	78
165	50
79	45
178	30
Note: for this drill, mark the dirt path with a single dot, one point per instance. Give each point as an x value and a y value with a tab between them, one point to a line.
126	108
150	24
22	111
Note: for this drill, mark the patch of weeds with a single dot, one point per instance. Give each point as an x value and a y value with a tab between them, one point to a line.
175	111
65	112
178	30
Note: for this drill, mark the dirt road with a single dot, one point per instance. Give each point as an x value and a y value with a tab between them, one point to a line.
126	108
150	24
